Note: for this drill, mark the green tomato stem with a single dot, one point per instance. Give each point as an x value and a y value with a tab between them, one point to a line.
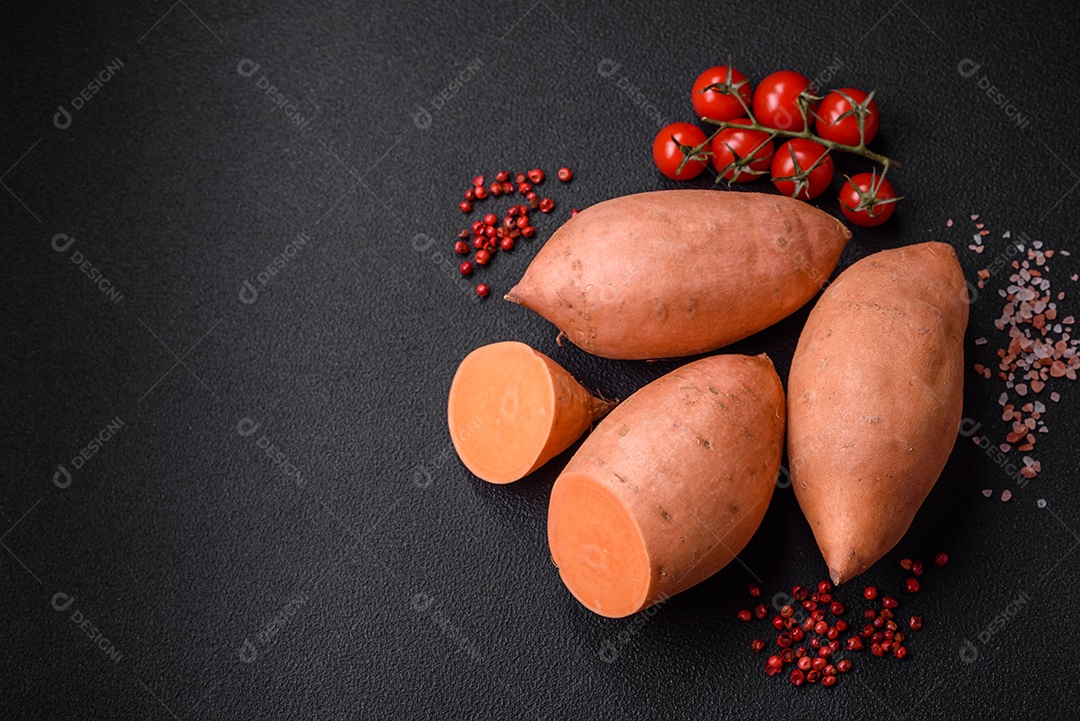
859	149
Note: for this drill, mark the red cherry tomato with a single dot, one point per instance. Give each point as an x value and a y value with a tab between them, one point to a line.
867	199
802	169
776	100
668	155
839	113
742	155
721	104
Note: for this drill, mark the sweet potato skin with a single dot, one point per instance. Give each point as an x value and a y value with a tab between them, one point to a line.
875	398
692	459
680	272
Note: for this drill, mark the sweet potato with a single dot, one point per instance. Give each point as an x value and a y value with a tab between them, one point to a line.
680	272
669	487
875	398
512	409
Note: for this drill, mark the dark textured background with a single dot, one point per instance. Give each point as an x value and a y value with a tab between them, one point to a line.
399	585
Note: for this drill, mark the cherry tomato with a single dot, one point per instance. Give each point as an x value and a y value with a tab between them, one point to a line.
867	199
668	155
721	104
776	100
839	113
802	169
742	155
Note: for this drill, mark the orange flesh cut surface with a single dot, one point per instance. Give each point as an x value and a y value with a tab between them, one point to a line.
501	411
598	547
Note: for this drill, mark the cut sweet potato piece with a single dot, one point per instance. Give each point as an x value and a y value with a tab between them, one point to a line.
512	409
669	487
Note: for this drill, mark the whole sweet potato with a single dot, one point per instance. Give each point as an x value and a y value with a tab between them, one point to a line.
875	398
670	486
680	272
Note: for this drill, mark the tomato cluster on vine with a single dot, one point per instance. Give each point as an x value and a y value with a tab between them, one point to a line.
783	109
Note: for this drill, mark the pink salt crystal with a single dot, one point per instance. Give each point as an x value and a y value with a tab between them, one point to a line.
987	492
975	216
1006	495
948	223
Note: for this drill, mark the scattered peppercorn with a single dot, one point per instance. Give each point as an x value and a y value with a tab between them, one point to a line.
566	175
